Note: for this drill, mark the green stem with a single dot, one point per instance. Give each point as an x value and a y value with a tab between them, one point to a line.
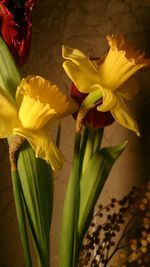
98	139
37	185
69	235
21	217
88	150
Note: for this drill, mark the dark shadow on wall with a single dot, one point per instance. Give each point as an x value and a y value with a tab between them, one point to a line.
144	122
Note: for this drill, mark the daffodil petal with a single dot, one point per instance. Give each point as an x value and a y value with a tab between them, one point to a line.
8	115
85	82
108	102
79	59
120	63
43	146
42	102
80	70
122	114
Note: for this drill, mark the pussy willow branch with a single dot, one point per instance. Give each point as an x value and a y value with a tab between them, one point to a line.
120	239
14	146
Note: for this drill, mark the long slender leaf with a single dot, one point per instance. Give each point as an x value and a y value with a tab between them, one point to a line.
70	213
92	183
9	74
37	184
21	217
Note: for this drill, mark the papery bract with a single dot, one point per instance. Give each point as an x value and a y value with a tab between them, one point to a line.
109	80
38	102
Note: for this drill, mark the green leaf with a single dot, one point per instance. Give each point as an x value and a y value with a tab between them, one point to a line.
9	74
70	213
92	183
37	185
20	211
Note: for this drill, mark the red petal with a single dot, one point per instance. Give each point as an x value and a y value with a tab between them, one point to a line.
16	25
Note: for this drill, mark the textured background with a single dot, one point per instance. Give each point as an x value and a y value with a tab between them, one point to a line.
81	24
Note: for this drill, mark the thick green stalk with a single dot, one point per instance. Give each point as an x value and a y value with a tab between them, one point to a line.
98	139
92	144
17	190
69	234
88	149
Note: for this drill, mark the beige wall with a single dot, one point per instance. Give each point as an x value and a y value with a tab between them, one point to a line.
82	24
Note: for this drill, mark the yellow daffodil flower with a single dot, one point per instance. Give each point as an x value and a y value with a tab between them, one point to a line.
107	80
38	102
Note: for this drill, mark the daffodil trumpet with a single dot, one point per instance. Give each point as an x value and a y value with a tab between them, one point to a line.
110	77
37	104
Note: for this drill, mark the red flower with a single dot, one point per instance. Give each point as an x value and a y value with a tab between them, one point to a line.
16	25
93	118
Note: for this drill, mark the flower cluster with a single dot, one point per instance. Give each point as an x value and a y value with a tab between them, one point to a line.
122	226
